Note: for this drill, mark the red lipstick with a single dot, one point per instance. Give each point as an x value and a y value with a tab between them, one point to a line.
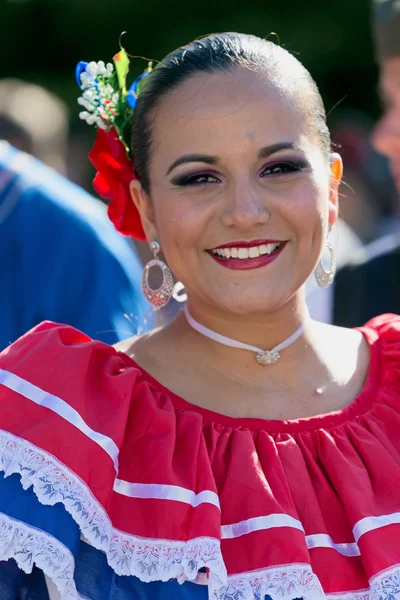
246	264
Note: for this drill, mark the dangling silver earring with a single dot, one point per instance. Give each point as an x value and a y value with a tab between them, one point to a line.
325	278
162	295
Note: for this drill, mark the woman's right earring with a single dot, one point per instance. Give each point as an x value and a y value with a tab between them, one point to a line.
162	295
325	277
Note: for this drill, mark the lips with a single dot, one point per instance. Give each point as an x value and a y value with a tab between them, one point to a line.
243	252
247	255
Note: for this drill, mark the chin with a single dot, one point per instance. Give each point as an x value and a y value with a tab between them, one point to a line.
250	304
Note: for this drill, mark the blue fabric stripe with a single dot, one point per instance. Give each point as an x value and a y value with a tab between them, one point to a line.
94	578
23	505
97	581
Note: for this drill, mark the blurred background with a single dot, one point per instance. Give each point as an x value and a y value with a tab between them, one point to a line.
42	40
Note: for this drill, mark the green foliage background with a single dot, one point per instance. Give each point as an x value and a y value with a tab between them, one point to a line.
42	40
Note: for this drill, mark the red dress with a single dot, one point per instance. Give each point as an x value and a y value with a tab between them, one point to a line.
290	509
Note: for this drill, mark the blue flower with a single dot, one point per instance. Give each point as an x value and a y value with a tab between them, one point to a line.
131	95
80	68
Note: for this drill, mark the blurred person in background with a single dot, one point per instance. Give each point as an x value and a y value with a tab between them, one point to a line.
60	257
367	192
386	137
373	274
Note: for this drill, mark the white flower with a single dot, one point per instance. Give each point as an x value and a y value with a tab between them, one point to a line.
91	68
86	80
99	97
89	95
85	104
83	115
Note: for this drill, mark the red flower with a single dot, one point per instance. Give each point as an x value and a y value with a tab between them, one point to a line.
114	174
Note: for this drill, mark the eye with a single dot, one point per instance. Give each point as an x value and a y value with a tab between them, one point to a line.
199	180
282	168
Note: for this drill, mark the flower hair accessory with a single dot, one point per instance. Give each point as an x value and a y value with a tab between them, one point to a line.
109	106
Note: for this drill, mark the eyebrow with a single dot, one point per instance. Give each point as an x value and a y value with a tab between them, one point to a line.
213	160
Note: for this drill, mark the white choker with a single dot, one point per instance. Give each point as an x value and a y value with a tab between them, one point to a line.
263	357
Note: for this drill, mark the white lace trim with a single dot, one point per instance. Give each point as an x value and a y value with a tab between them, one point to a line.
28	546
288	582
147	559
285	582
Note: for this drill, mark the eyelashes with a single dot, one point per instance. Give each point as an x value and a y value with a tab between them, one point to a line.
280	168
197	180
274	170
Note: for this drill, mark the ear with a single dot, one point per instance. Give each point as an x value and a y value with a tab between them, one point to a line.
336	173
145	208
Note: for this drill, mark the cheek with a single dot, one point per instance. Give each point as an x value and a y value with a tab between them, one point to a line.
181	222
308	206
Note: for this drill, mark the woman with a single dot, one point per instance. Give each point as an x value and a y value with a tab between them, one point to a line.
244	450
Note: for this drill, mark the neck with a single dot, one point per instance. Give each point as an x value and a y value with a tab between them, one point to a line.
262	330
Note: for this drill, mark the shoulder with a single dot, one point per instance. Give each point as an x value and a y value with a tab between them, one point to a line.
383	333
385	327
61	390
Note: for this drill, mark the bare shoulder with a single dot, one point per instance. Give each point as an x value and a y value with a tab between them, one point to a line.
142	348
341	339
126	345
345	351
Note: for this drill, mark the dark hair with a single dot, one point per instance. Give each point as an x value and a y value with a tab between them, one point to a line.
218	52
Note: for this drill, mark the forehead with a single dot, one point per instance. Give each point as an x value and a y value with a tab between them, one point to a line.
210	112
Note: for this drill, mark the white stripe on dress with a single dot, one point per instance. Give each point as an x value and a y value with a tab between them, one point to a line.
165	492
60	407
259	524
323	540
370	523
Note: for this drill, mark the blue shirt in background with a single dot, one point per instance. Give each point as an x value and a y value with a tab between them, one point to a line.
61	258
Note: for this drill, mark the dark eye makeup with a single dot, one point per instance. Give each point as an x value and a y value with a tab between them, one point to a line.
197	179
284	167
275	169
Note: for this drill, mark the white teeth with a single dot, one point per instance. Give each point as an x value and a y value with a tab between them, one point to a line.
243	253
254	252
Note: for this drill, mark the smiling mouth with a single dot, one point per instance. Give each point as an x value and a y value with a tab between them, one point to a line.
244	256
242	253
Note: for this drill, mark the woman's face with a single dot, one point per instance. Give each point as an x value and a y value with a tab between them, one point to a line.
236	167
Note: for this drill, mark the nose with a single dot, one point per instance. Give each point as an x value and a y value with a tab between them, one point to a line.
386	135
244	207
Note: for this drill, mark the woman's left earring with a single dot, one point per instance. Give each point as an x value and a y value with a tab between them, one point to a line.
323	276
162	295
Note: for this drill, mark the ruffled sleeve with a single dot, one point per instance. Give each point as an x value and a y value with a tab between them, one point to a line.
63	410
78	428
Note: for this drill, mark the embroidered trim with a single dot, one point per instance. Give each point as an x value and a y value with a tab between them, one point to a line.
147	559
285	582
288	582
28	546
